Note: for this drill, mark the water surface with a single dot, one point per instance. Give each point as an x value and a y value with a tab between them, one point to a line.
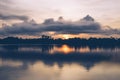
59	62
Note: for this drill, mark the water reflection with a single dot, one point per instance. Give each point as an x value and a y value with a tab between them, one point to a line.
40	71
65	49
58	62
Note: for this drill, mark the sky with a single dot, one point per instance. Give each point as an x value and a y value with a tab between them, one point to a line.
18	14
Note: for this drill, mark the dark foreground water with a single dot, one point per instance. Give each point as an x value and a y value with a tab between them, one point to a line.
59	62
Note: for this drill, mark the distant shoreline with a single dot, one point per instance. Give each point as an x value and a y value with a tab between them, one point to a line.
92	42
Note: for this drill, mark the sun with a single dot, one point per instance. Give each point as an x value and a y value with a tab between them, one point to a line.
65	36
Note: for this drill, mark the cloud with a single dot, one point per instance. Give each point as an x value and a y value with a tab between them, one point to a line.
5	6
12	17
9	10
31	28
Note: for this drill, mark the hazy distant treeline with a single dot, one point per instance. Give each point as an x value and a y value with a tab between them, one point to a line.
71	41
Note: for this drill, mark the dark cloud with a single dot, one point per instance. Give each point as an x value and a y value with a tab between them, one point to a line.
72	28
88	18
9	10
49	21
13	17
85	25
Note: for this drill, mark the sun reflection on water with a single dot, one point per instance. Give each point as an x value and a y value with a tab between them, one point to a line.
64	49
